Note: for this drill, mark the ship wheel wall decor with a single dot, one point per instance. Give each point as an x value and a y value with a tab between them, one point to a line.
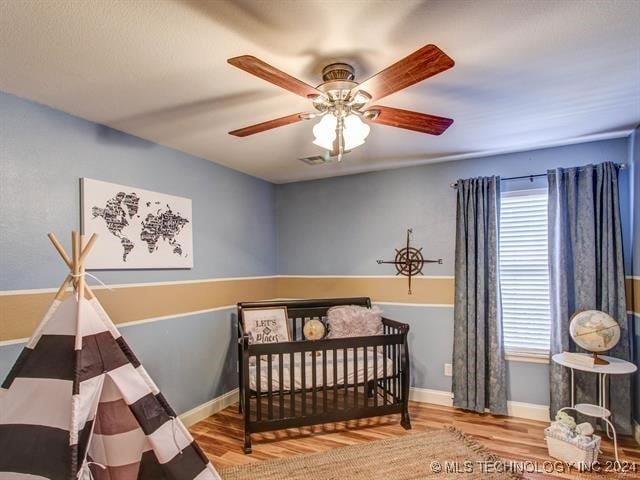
409	260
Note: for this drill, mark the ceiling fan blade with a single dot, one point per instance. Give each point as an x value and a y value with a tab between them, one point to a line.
420	65
418	122
271	74
268	125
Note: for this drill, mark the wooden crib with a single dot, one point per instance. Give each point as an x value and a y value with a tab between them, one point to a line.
299	383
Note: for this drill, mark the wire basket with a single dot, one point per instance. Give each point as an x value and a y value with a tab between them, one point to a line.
571	451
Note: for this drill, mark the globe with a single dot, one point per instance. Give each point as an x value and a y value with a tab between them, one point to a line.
595	331
313	330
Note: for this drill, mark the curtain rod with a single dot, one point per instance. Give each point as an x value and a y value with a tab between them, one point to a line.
620	166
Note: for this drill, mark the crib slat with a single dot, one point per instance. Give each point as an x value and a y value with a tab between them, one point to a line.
398	387
281	384
395	372
345	380
375	376
314	381
303	378
270	386
335	379
385	384
366	377
324	381
292	384
258	389
355	376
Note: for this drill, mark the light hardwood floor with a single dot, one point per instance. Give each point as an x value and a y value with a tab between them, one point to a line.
513	439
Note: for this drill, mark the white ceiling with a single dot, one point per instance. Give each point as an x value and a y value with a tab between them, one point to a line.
528	73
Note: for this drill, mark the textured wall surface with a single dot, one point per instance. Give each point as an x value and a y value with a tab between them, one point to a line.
44	152
337	226
634	160
340	226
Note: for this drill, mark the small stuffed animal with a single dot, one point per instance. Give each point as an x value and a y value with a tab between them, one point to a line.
585	429
566	420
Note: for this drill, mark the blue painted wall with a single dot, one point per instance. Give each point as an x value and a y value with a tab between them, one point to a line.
634	156
340	226
336	226
44	152
634	182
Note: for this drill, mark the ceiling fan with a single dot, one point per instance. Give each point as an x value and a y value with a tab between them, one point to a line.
342	103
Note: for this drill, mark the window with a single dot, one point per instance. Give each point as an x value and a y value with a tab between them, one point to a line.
524	272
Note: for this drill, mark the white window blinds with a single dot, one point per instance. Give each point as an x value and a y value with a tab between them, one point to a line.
524	272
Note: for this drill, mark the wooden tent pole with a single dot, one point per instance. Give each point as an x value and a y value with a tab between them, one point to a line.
60	249
75	256
78	271
75	249
79	265
69	262
86	248
61	291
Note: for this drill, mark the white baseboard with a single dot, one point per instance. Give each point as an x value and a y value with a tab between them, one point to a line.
531	411
436	397
209	408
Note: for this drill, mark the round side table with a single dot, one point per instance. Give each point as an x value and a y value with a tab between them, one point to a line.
616	366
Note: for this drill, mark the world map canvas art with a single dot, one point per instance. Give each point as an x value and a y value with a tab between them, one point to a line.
137	228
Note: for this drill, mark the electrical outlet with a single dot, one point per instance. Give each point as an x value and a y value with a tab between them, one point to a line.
447	370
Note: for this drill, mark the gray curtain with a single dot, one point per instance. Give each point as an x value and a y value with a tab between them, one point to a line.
587	273
479	369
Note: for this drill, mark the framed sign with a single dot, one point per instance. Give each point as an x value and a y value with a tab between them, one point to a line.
266	325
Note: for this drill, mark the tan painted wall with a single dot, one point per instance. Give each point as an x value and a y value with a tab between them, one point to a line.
21	312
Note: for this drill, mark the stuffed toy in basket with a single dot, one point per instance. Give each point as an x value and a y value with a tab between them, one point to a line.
573	444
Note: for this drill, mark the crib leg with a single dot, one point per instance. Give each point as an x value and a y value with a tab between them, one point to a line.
247	443
371	388
405	421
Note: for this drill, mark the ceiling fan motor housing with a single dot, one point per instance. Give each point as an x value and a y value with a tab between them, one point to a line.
338	71
338	82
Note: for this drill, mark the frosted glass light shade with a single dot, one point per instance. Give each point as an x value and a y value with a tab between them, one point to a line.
355	132
325	132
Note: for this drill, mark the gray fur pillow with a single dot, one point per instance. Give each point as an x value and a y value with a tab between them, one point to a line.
354	321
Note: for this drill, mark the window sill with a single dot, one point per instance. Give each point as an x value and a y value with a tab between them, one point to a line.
527	357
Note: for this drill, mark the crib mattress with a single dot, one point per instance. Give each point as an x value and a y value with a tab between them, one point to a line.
351	375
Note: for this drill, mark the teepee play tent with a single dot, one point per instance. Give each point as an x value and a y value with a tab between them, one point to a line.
78	404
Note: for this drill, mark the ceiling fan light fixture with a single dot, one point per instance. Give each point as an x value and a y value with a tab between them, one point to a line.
325	131
355	131
341	101
360	98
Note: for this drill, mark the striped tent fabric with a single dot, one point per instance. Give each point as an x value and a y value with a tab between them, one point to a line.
78	404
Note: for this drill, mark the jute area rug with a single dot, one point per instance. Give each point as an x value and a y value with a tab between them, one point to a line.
422	455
